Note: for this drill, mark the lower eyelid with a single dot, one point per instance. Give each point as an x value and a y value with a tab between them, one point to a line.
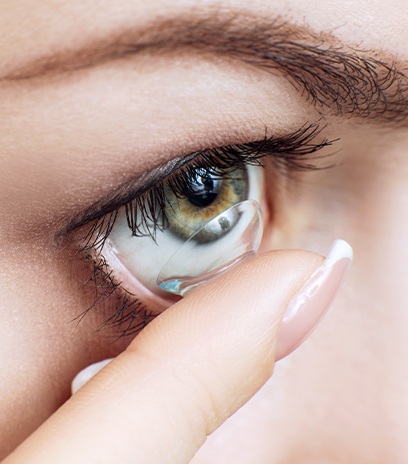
112	310
128	304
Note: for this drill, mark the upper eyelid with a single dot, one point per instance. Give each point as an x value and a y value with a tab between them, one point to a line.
299	141
130	189
127	191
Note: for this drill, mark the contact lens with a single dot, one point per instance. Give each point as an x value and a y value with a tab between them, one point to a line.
239	233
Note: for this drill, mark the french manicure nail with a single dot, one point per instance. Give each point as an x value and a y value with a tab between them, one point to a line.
309	305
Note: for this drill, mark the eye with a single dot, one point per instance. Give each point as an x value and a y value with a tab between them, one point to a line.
143	243
128	238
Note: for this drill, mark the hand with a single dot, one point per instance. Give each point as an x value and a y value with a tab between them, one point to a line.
193	366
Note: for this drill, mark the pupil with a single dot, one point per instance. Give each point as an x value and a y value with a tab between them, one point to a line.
203	189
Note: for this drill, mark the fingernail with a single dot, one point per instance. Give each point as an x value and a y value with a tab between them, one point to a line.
86	374
309	305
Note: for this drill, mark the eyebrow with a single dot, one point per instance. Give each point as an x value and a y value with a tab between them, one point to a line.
334	76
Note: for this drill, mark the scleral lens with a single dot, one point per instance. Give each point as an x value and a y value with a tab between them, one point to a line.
238	231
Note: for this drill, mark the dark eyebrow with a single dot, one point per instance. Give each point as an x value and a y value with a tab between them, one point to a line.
335	77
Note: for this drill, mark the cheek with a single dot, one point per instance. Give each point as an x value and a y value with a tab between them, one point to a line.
41	349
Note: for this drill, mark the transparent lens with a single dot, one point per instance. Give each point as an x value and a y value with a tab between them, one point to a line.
240	230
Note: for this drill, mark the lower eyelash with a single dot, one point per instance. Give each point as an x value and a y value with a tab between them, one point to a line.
130	315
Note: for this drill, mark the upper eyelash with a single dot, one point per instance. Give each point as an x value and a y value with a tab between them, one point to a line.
288	153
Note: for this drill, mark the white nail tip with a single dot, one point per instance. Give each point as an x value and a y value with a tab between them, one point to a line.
86	374
339	250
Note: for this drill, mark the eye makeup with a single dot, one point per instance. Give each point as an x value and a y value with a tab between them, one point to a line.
144	208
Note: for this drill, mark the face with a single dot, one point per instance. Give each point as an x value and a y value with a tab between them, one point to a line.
104	103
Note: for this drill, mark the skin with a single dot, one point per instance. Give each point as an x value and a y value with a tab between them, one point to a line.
339	398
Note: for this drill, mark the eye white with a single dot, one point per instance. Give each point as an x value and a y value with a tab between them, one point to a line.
144	257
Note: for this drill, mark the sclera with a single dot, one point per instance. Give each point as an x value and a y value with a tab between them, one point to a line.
136	261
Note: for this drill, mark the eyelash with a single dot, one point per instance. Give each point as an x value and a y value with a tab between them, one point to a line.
288	153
